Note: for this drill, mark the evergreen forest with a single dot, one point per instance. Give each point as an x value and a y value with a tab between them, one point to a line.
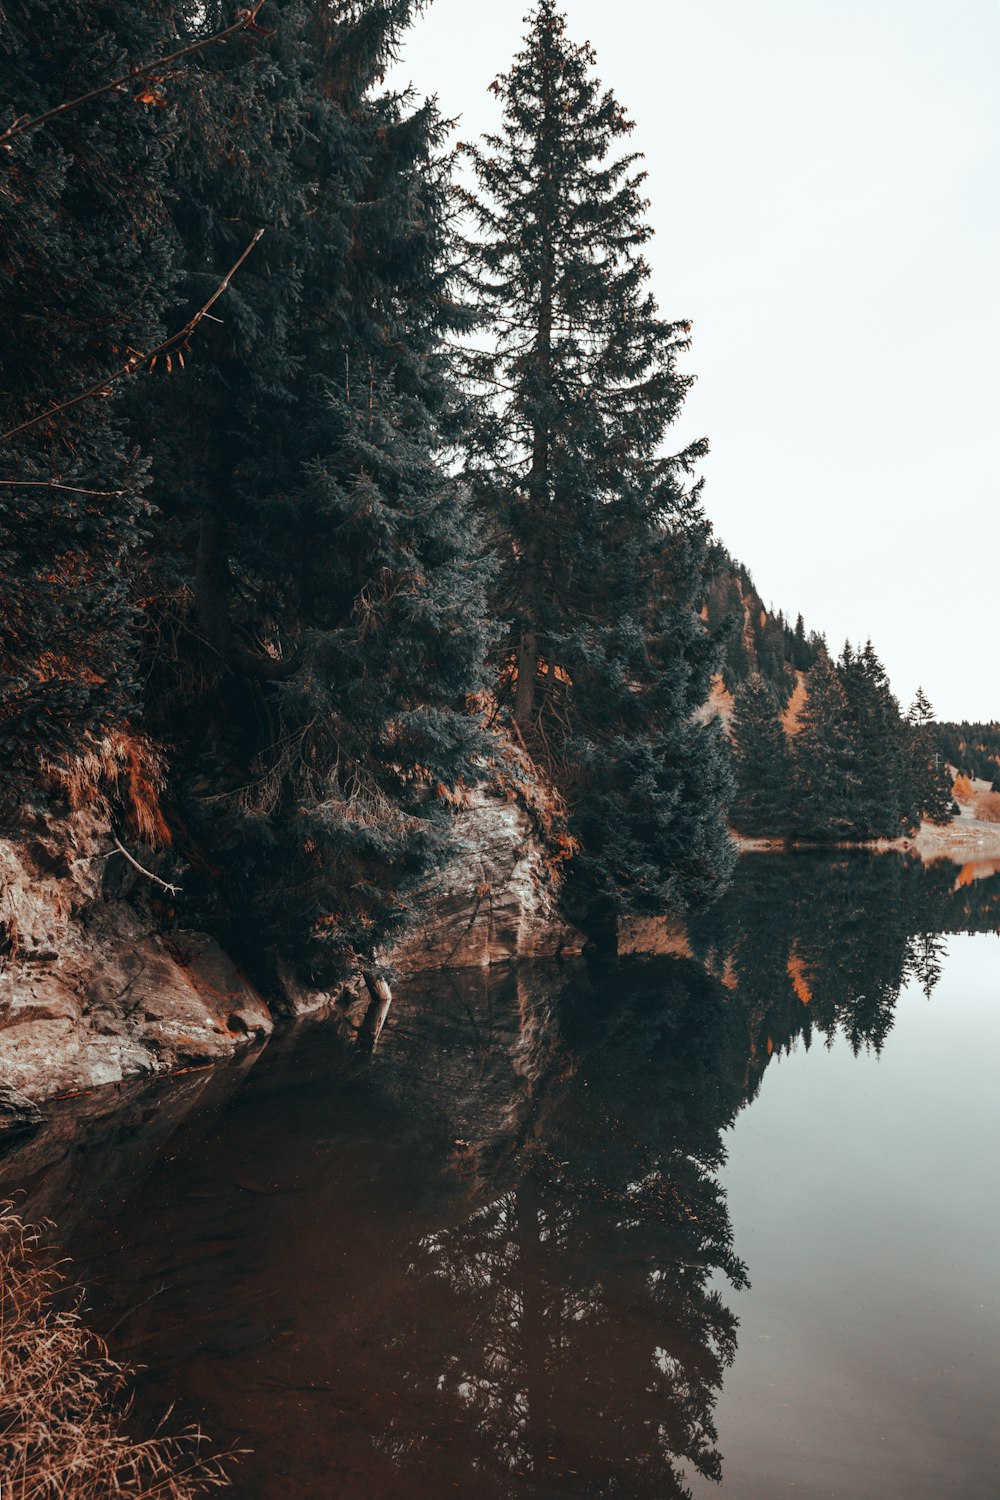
336	482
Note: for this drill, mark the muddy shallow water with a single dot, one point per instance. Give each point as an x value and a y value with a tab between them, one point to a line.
599	1230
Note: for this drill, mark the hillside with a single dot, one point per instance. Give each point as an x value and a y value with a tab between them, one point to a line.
973	749
756	639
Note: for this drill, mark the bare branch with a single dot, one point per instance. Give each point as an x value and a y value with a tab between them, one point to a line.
53	484
136	358
174	890
245	21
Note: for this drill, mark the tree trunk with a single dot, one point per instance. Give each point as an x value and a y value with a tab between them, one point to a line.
527	666
212	587
538	476
211	582
375	1015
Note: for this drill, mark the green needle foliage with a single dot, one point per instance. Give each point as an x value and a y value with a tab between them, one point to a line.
930	778
319	602
85	270
762	761
600	539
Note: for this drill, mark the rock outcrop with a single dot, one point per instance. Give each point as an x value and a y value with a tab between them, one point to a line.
89	992
494	903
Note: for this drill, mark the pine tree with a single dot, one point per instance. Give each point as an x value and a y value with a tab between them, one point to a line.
319	592
83	278
826	758
801	657
930	778
883	806
762	762
600	540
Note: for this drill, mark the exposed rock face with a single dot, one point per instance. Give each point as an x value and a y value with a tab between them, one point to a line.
16	1109
494	903
89	993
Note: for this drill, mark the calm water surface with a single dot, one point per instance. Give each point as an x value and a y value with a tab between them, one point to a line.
719	1224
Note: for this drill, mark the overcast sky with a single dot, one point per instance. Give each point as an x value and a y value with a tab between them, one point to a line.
824	185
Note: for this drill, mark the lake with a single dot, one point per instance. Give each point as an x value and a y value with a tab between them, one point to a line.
725	1223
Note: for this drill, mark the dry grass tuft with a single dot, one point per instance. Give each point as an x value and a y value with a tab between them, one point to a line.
126	768
63	1407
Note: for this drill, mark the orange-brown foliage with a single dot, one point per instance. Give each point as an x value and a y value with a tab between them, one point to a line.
962	790
125	768
987	807
799	975
796	703
64	1425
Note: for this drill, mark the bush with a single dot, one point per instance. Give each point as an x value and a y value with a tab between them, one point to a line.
63	1409
962	790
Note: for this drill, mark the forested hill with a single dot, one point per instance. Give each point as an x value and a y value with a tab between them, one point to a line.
821	748
973	749
754	638
757	641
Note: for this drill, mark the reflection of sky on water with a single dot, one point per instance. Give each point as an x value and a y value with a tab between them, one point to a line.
864	1192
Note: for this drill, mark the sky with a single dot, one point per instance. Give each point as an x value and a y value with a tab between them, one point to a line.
824	185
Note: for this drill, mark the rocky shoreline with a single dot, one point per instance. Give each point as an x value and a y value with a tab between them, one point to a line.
93	990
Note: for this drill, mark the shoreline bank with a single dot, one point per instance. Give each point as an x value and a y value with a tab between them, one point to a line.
963	840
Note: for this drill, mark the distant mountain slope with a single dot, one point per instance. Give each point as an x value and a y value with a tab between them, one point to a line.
756	640
973	749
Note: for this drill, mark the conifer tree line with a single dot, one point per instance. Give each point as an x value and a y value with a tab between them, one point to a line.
852	767
973	749
755	638
326	492
331	489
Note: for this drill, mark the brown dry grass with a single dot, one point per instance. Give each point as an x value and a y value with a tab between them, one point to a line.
987	807
128	769
63	1405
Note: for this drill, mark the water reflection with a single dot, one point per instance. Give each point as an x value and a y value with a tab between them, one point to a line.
492	1260
581	1340
813	945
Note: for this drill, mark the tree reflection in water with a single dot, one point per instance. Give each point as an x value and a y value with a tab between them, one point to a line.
583	1332
495	1259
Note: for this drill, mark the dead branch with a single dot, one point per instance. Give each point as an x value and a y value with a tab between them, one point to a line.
174	890
54	484
245	21
136	360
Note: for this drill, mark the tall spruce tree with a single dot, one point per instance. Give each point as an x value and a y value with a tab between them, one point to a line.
826	757
801	657
883	804
762	762
318	591
930	778
601	540
85	269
